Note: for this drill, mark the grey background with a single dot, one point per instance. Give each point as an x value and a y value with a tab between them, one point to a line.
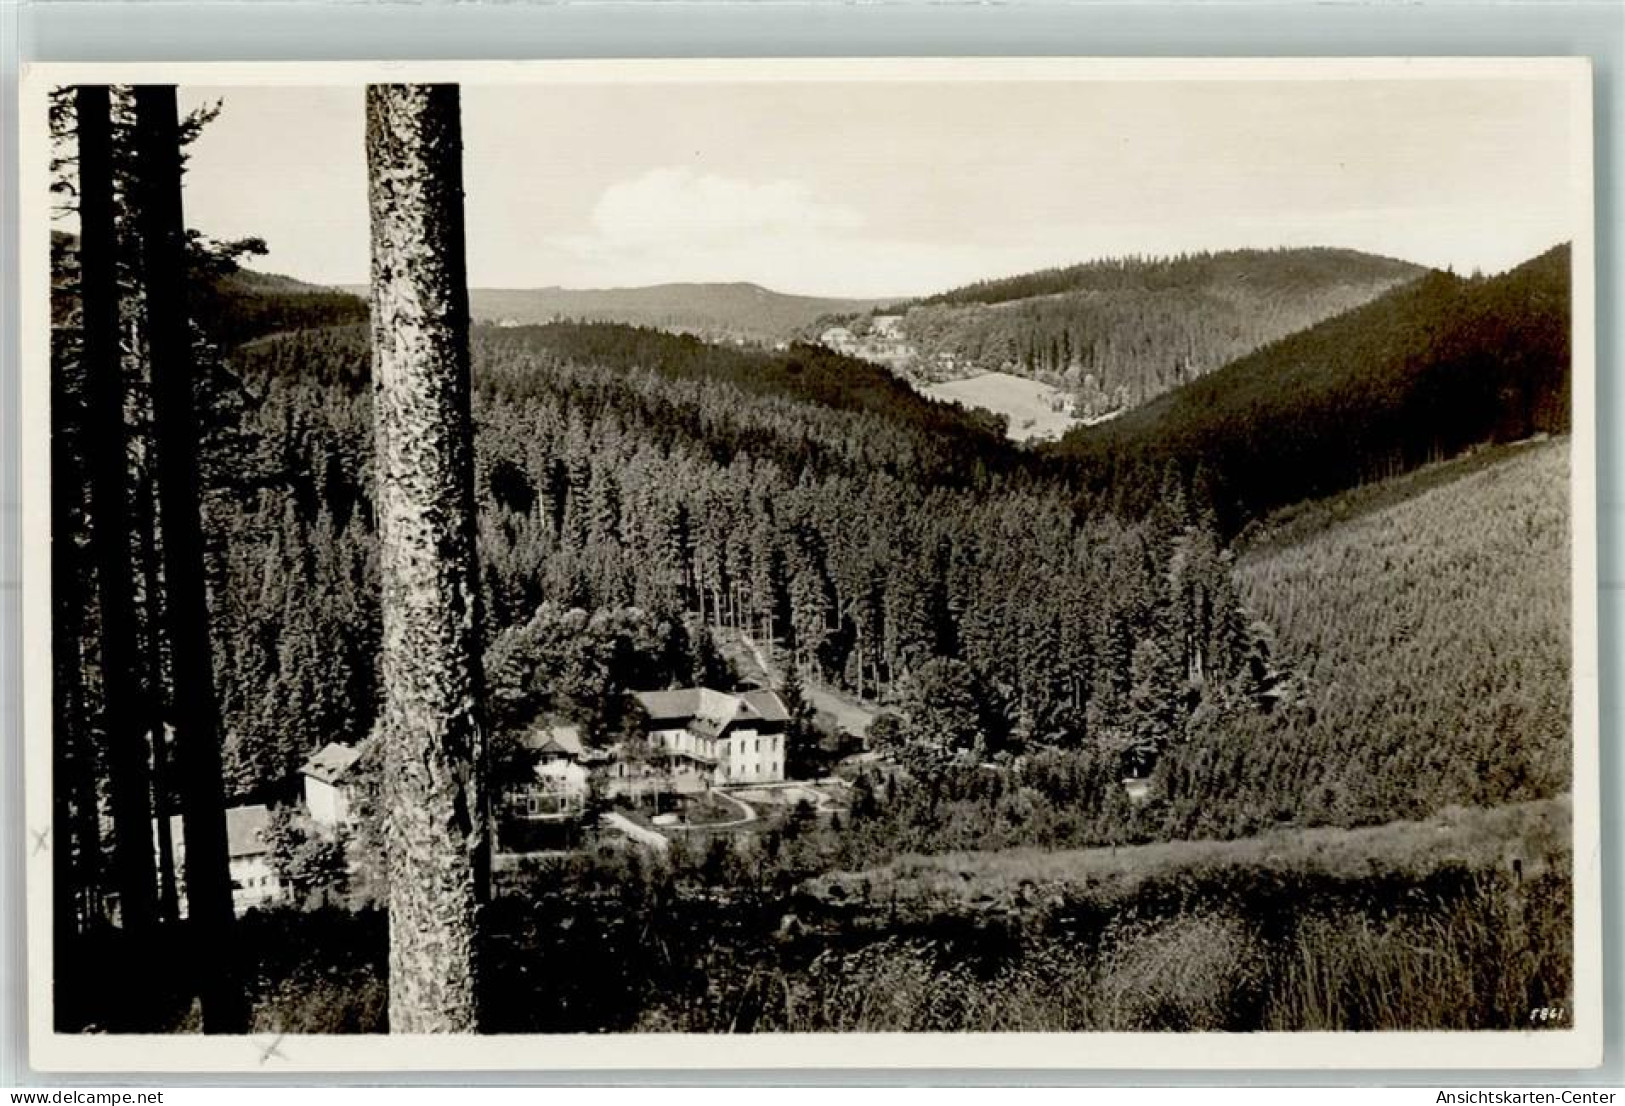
203	30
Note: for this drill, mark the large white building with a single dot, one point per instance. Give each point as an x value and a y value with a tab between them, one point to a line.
717	736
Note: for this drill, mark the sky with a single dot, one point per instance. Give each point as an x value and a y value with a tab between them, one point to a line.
903	188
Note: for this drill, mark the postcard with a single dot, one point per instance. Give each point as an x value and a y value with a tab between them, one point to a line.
945	563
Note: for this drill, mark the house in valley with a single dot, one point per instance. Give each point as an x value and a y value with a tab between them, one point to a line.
253	881
327	784
560	784
697	735
839	338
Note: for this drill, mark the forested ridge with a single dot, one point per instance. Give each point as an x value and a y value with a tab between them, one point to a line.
1281	271
1117	333
240	304
1420	374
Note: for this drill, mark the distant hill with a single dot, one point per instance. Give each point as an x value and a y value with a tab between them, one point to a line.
1117	333
1424	372
245	304
240	304
717	312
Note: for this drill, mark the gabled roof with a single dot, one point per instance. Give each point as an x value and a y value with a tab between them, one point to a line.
768	705
554	740
245	832
331	762
708	712
678	704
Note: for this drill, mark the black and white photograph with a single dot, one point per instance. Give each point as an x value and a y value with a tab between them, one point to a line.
681	562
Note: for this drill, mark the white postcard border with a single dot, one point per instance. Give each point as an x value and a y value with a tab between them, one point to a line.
1577	1047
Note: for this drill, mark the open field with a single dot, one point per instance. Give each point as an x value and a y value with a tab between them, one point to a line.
1030	406
1407	926
1533	834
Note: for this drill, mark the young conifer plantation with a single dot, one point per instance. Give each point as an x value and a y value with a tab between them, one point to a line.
1246	709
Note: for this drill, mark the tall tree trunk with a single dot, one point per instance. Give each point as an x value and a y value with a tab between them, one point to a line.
162	784
108	467
435	747
69	883
186	604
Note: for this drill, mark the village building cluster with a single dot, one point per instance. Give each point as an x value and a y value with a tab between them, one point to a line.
884	342
694	739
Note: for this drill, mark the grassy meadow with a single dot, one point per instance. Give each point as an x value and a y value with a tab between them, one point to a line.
1456	922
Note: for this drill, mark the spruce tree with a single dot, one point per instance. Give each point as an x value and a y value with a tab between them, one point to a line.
164	273
135	874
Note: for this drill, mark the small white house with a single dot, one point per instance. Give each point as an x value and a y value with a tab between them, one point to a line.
839	339
253	882
327	793
560	787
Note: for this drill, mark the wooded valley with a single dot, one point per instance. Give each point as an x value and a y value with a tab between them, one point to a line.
1308	592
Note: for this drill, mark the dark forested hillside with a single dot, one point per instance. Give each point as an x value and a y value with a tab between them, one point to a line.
233	304
1283	271
1425	621
1117	333
881	422
1420	374
243	304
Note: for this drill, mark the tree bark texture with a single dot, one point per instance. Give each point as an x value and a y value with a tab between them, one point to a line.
432	711
186	605
108	470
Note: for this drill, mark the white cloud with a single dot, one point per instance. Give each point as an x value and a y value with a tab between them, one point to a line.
675	223
675	213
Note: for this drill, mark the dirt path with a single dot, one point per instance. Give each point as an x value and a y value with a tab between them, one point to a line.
747	816
850	713
637	833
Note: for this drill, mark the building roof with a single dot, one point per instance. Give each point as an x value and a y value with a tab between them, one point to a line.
331	762
554	740
768	705
708	712
245	832
676	705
